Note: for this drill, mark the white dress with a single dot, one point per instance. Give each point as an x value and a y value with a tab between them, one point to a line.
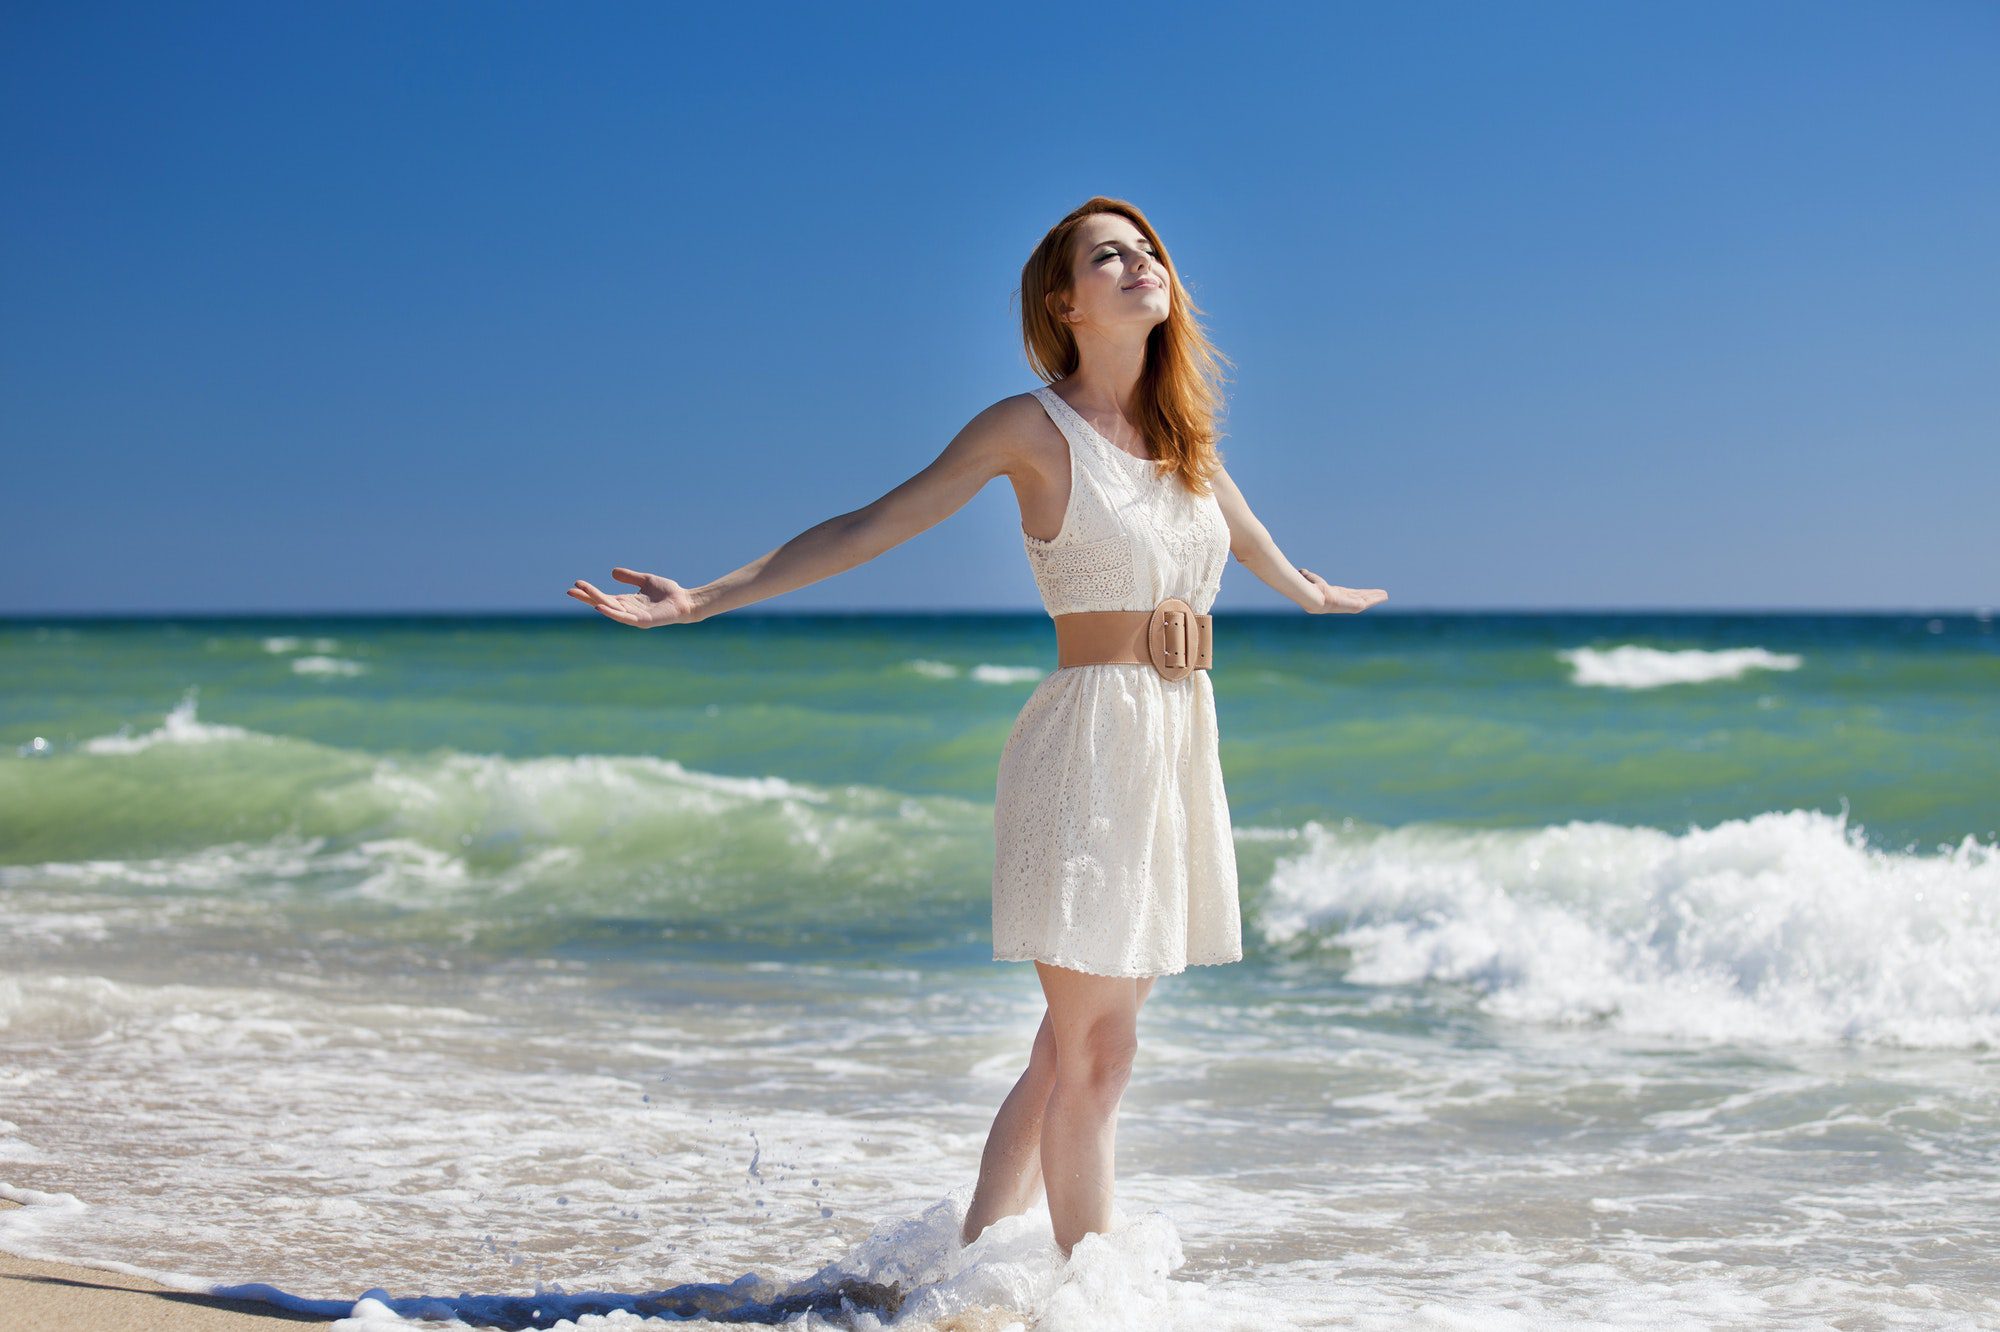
1112	845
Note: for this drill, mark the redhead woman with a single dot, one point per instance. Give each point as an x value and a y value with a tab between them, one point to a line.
1113	859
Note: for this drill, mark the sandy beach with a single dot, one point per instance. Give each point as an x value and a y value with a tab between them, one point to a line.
59	1297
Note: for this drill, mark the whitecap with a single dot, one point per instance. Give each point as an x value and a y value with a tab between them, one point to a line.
1630	666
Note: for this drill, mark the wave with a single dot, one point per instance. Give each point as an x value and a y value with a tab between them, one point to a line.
1630	666
578	842
984	673
1782	928
179	727
326	666
911	1272
286	643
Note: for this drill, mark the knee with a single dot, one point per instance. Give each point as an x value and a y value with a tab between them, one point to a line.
1099	1063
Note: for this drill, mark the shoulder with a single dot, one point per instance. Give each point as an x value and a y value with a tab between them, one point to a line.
1224	483
1015	413
1010	434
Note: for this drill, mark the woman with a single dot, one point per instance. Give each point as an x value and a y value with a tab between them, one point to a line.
1113	860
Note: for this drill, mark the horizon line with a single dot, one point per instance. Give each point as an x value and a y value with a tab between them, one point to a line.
7	617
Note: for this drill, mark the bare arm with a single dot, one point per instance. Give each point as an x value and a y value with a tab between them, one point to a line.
1255	550
987	447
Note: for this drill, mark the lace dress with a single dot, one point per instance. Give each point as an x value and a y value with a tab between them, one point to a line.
1112	844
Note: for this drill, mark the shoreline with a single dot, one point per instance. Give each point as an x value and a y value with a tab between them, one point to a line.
44	1296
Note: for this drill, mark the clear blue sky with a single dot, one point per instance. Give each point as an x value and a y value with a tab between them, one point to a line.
365	306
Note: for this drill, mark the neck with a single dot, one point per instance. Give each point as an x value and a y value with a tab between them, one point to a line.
1107	371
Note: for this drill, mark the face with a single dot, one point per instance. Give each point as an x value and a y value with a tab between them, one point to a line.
1115	278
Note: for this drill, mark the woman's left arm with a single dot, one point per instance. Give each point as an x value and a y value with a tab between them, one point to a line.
1254	549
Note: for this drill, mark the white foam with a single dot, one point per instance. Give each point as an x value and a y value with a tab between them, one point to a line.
326	1148
1631	666
45	927
386	1134
326	666
1006	675
1782	928
982	673
178	727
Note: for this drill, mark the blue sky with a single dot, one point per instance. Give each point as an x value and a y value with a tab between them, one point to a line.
439	306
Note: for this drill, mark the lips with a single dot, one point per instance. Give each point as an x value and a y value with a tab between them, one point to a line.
1144	282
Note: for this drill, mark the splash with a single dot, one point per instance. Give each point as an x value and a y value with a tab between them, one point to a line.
1782	928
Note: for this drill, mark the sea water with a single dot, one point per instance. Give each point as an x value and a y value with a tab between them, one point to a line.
1601	971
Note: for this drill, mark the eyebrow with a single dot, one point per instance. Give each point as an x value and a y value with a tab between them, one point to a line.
1101	244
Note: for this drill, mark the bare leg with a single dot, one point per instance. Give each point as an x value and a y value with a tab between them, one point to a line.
1010	1171
1096	1030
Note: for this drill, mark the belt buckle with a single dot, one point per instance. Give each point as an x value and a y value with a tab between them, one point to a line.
1168	639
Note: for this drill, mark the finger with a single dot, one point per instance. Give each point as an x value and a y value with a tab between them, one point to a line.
625	575
591	592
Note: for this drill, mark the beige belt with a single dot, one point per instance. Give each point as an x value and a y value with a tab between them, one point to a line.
1170	638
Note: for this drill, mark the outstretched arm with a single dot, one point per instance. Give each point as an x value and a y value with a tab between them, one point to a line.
1254	549
984	449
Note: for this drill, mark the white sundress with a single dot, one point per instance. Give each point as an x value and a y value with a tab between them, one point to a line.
1112	845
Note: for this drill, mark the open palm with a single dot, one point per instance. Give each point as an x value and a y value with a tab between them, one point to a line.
1336	599
658	601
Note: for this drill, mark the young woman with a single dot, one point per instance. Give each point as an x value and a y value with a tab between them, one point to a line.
1113	858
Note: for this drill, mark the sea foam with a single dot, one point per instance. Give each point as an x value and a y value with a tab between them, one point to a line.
1631	666
1786	927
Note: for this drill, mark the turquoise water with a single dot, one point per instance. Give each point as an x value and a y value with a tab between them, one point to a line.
1592	944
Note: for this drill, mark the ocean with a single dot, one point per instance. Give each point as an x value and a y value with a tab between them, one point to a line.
1602	970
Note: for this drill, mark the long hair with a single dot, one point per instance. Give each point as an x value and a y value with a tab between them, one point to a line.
1180	393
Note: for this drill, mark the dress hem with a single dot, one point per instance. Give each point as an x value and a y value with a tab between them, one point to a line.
1069	965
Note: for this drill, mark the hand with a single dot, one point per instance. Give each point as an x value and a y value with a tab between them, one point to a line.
658	601
1346	600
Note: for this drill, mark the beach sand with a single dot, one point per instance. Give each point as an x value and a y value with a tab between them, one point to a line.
60	1297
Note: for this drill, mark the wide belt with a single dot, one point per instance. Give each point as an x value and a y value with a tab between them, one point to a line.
1170	638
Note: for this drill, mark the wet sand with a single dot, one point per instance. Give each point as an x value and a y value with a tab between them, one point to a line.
61	1297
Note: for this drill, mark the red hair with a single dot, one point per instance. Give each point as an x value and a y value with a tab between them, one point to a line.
1180	391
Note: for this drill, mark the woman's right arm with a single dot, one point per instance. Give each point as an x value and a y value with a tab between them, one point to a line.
990	445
